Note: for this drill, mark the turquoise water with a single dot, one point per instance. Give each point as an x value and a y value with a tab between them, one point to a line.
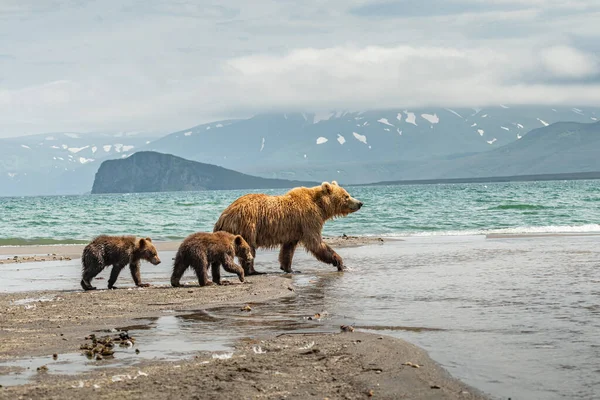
415	210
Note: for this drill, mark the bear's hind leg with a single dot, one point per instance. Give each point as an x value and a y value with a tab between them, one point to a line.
201	268
179	267
114	274
91	267
286	254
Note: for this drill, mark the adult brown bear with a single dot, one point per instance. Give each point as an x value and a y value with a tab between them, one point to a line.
296	217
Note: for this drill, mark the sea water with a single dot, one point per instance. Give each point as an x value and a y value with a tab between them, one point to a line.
514	315
412	210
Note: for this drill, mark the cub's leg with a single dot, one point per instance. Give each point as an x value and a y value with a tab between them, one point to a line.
114	274
229	265
91	266
135	274
179	268
216	272
200	266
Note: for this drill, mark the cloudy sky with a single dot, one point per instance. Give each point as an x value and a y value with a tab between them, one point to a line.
165	65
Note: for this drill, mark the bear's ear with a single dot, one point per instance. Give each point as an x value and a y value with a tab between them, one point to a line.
238	240
326	187
142	243
149	240
334	183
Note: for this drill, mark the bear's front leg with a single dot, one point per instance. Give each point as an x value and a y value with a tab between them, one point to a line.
326	254
114	274
286	254
229	265
135	274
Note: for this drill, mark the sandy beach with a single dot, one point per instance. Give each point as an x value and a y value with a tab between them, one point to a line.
321	364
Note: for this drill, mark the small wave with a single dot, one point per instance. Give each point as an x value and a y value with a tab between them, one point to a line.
520	207
10	242
519	230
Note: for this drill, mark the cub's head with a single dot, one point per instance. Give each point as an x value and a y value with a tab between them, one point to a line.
242	250
147	251
335	200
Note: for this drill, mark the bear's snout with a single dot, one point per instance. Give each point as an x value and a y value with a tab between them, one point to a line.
360	204
155	261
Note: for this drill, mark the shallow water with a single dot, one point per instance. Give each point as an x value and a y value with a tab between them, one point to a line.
514	317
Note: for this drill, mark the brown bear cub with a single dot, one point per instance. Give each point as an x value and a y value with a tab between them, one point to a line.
199	250
117	251
296	217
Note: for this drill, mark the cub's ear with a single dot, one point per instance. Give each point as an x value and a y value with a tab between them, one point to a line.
143	243
334	183
326	187
149	240
238	240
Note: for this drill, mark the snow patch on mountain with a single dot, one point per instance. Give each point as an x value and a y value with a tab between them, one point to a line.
341	139
218	125
505	128
491	141
71	135
25	146
411	118
84	160
454	112
399	117
118	147
321	140
503	106
384	121
432	118
577	111
520	126
188	133
322	117
75	150
399	131
94	149
107	147
480	131
474	124
519	136
262	145
127	148
359	137
543	122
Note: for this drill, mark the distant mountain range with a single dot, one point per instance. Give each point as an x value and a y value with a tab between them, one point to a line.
148	171
351	147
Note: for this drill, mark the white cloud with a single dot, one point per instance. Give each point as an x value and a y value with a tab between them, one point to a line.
567	62
77	66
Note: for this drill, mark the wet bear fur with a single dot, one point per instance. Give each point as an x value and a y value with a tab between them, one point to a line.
199	250
296	217
117	251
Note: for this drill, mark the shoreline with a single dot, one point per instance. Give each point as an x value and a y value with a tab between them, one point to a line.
66	252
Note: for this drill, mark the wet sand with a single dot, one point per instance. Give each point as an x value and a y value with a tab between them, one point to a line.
348	365
344	365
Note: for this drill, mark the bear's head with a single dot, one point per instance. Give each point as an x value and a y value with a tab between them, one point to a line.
147	251
336	201
243	251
